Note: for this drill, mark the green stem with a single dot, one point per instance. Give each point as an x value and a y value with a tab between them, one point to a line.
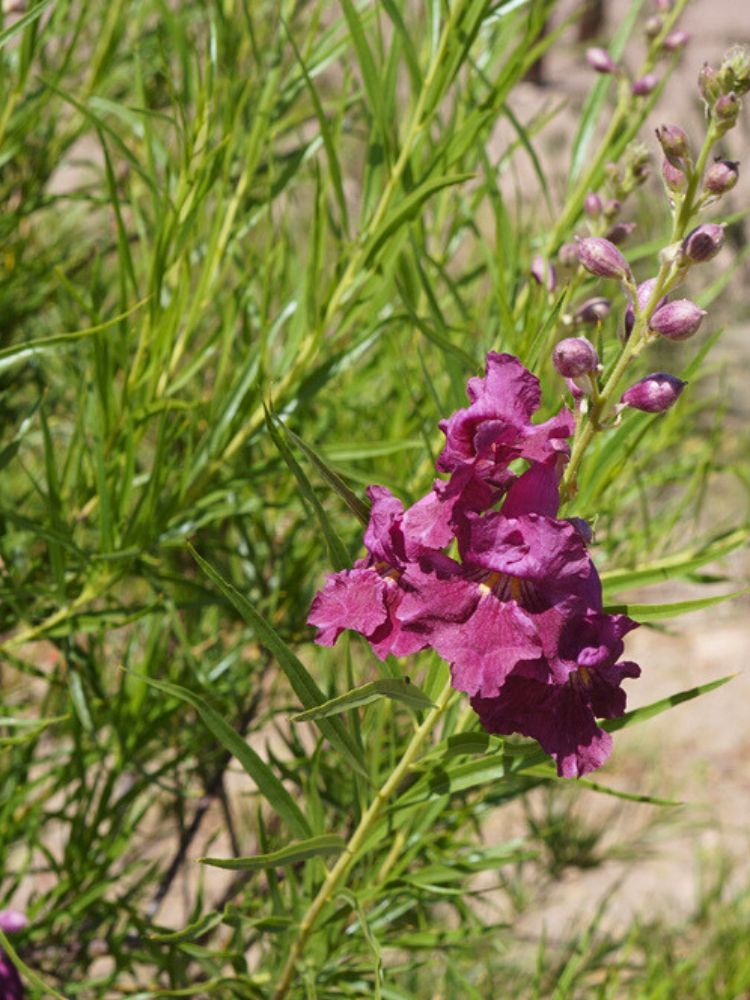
669	274
340	870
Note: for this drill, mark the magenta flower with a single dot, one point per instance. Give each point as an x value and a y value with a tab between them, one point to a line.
496	427
365	598
519	615
11	988
583	684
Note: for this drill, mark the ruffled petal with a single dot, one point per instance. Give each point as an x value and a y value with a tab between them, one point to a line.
352	599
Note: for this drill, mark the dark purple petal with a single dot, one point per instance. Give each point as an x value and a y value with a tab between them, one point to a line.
11	987
384	537
537	491
485	649
557	716
352	599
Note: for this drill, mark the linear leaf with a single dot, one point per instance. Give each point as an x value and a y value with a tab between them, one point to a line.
303	684
408	210
385	687
655	612
268	784
357	506
314	847
657	707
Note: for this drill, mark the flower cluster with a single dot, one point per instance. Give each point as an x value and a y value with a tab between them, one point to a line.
516	609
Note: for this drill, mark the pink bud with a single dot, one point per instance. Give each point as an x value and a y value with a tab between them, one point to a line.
708	84
644	292
703	243
674	178
567	255
12	921
721	176
602	258
620	232
592	204
543	272
653	26
677	320
574	356
676	40
674	142
645	85
654	393
600	60
593	310
726	110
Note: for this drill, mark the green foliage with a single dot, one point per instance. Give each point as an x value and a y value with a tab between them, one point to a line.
251	251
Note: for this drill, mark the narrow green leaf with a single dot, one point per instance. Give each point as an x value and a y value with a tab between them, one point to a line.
314	847
24	21
408	210
357	506
656	612
336	549
385	687
303	684
32	978
547	769
657	707
193	930
268	784
370	75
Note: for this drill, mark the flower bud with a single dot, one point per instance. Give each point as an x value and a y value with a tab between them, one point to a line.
645	85
675	41
12	921
644	292
574	356
612	208
653	26
726	110
620	232
674	142
593	310
583	528
721	176
654	393
674	178
592	204
600	60
703	243
735	70
602	258
708	84
677	320
543	272
567	255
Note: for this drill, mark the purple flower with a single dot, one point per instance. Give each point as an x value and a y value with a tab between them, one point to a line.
543	272
644	85
600	60
496	427
676	40
703	243
365	598
721	176
575	356
644	291
583	684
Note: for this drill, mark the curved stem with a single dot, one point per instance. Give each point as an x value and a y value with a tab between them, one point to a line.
341	869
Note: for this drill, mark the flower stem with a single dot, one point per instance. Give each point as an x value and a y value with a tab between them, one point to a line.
668	275
341	869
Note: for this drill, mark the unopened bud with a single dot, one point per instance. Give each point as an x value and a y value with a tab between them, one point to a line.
677	320
575	356
644	292
675	41
708	84
674	142
653	26
612	208
703	243
593	310
12	921
726	111
620	232
543	272
645	85
567	255
592	204
721	176
735	70
602	258
600	60
674	178
654	393
583	528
